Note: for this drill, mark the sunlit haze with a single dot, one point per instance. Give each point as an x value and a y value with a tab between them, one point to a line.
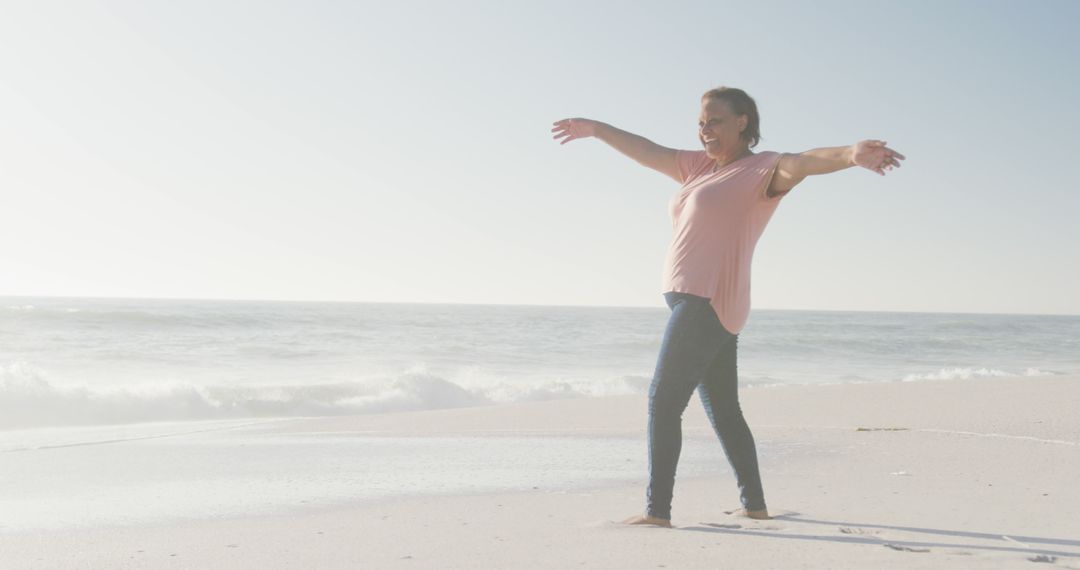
400	152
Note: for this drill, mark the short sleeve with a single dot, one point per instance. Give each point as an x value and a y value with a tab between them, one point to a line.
691	163
771	161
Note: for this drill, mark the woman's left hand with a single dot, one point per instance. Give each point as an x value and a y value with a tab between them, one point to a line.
874	155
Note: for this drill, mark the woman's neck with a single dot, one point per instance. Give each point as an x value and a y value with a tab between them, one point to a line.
736	154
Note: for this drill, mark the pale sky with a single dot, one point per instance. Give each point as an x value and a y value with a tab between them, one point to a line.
401	151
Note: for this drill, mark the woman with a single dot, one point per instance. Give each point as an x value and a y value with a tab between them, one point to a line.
728	195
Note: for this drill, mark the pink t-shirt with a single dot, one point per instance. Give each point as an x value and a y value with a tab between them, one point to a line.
718	218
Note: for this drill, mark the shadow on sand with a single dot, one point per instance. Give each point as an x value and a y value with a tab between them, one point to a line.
848	532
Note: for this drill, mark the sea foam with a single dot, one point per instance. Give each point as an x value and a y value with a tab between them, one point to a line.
969	373
28	399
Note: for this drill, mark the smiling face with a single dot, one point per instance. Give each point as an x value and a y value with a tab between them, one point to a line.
720	129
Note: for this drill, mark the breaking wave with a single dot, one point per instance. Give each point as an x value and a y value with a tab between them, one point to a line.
969	373
28	399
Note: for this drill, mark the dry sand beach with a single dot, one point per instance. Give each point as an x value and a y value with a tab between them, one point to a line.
937	474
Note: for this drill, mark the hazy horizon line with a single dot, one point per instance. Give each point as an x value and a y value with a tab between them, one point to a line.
659	305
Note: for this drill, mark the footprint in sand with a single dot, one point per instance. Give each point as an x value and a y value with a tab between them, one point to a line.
857	530
736	527
772	514
741	515
905	548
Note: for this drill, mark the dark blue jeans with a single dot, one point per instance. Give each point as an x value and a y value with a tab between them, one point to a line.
697	353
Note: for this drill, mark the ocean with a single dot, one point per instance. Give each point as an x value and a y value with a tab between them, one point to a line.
70	362
131	412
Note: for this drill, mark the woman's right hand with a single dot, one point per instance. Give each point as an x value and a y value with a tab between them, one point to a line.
642	150
570	129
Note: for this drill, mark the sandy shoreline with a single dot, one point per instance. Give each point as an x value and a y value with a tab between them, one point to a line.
980	474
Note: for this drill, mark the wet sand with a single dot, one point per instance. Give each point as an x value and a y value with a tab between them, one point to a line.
936	474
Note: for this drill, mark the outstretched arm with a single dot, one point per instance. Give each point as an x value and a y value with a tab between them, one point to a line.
641	149
793	168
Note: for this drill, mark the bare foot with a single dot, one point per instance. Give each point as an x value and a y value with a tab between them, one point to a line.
646	519
762	515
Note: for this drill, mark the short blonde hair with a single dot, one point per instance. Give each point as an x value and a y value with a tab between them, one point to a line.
741	104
